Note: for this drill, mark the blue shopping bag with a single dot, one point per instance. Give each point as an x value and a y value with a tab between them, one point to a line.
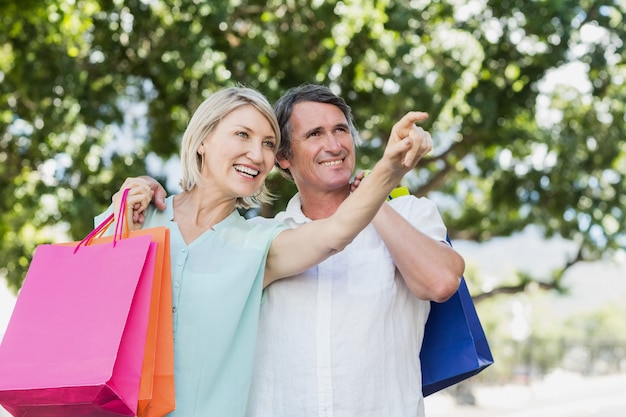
455	346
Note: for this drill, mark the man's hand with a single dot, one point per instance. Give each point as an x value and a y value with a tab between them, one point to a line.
357	180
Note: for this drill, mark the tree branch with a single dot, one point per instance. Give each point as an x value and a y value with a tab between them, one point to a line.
527	281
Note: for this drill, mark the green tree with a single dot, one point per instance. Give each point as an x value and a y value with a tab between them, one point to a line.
91	90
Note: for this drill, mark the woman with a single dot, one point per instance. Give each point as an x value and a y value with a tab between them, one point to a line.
220	261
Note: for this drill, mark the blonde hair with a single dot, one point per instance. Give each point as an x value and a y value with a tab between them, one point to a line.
204	121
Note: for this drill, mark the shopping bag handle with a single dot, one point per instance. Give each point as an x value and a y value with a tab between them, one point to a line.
99	230
121	216
102	227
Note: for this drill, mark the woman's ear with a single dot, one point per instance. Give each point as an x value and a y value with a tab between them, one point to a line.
200	150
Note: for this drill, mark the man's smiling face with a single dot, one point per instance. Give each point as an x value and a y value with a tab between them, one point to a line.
322	147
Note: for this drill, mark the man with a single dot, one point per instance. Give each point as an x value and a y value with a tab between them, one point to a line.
343	338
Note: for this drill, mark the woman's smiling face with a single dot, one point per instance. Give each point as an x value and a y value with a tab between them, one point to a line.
239	153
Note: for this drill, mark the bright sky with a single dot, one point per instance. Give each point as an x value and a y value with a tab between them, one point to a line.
591	284
7	303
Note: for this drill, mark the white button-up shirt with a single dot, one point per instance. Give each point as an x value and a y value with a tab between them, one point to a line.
343	338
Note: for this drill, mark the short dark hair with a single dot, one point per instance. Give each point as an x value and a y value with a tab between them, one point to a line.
306	92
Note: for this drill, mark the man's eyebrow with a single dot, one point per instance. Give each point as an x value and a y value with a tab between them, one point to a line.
320	128
311	131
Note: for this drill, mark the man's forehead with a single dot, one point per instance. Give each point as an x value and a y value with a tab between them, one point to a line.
311	114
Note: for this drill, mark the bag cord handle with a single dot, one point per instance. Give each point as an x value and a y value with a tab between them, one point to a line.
121	215
100	229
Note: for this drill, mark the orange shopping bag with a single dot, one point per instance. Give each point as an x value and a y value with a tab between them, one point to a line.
156	391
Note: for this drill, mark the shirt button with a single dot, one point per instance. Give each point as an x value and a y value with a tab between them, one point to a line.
174	309
177	285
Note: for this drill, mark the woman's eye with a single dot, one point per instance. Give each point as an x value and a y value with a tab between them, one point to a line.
242	134
270	144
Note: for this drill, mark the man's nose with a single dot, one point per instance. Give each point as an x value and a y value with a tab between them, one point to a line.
332	143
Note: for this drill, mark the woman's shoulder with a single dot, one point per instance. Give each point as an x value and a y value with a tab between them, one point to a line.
262	227
158	217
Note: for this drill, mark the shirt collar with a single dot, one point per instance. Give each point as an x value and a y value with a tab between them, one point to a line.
169	207
294	211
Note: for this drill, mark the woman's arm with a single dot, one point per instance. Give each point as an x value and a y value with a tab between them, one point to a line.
296	250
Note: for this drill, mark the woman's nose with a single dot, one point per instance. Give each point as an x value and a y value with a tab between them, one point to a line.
255	152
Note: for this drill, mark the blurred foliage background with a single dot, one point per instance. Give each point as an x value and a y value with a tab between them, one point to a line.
526	102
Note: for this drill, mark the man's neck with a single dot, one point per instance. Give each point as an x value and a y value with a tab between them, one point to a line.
320	205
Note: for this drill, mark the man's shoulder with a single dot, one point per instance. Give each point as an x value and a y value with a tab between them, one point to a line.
411	202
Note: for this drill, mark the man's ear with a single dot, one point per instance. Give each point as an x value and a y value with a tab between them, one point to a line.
283	163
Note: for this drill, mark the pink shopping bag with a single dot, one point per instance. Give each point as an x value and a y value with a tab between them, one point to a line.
75	342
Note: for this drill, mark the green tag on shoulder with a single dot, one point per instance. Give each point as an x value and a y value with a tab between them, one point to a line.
398	192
